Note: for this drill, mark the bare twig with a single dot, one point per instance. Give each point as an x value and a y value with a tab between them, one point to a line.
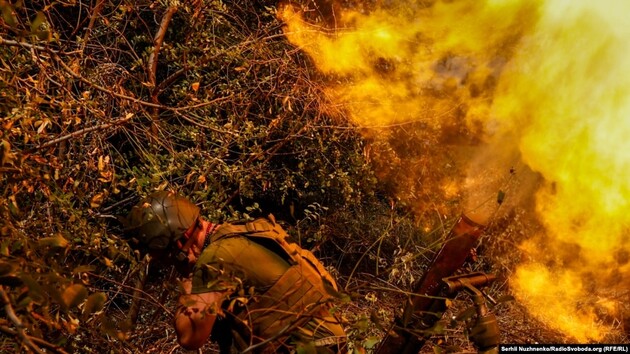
95	14
80	132
253	347
10	170
133	99
152	65
39	341
71	72
16	321
144	293
203	104
169	80
12	43
157	44
297	322
378	240
104	89
201	125
136	303
115	205
205	59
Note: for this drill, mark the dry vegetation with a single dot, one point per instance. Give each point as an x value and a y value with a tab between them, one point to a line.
104	101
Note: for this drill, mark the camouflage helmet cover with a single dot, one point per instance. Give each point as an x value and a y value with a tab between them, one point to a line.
161	218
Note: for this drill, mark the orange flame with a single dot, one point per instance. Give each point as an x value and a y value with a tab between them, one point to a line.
549	80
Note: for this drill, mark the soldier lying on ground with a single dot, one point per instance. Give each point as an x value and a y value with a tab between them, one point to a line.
250	287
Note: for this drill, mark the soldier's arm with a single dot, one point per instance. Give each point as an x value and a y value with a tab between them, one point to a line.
195	316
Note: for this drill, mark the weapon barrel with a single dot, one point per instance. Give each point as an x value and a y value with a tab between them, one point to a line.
424	310
478	279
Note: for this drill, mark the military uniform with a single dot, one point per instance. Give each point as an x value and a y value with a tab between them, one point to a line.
278	295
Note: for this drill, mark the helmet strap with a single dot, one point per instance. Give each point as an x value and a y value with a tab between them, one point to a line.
209	231
189	242
183	252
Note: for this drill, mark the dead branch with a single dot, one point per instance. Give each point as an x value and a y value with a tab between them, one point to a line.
169	80
136	302
95	14
157	44
104	89
39	341
201	125
200	105
80	132
282	332
17	322
144	293
158	40
101	88
12	43
205	59
10	170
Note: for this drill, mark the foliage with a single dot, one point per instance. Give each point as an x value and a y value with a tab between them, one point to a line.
102	102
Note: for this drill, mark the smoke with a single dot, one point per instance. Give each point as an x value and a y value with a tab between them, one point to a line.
566	94
461	98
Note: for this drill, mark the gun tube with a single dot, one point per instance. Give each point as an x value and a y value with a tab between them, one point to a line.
477	279
420	311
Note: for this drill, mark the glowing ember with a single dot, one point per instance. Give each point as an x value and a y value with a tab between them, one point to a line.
549	79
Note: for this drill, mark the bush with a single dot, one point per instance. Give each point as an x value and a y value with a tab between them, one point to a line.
103	103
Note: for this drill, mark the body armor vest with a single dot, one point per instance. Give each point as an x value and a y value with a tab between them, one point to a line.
294	298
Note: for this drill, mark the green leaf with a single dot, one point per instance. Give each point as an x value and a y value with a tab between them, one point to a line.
95	303
362	324
466	314
376	320
43	35
74	295
438	328
306	348
35	291
37	21
7	15
371	342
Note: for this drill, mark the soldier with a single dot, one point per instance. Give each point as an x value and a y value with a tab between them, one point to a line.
250	287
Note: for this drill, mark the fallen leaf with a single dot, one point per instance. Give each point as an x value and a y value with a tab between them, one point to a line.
95	303
97	200
74	295
56	241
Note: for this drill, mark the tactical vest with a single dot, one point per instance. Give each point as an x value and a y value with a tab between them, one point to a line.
292	300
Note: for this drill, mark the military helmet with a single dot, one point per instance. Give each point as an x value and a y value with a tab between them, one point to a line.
161	218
